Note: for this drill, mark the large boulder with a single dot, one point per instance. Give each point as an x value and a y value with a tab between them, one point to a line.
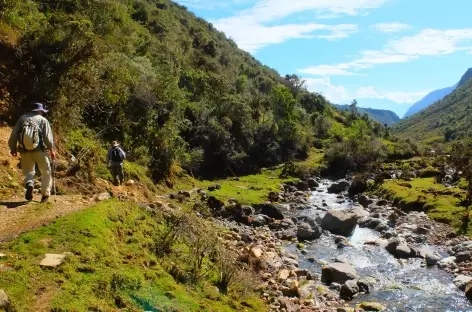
338	273
340	222
339	187
307	231
270	210
4	301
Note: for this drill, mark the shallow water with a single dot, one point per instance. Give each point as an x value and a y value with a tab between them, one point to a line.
401	287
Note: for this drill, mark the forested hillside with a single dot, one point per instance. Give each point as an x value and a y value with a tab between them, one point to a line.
447	120
380	115
165	83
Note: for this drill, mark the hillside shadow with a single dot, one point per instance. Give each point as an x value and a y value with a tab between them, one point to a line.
13	205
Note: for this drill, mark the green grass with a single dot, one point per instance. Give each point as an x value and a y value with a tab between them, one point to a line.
111	267
441	203
251	189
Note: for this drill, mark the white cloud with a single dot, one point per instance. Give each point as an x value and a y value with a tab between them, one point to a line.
257	27
252	37
338	94
428	42
390	27
335	94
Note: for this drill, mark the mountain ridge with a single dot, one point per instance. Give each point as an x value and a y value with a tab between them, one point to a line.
383	116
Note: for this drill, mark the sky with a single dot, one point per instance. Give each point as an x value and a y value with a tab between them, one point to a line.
386	54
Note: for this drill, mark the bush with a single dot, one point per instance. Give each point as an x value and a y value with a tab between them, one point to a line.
354	155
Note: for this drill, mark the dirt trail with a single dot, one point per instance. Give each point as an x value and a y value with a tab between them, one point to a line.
18	216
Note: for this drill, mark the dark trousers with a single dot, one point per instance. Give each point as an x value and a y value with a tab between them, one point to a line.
117	174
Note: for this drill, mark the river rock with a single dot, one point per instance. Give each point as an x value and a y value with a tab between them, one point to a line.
393	217
357	187
215	203
270	210
283	275
287	224
463	256
339	187
260	220
303	186
468	290
349	289
338	273
461	281
403	251
306	231
339	222
432	258
365	201
4	301
447	263
312	183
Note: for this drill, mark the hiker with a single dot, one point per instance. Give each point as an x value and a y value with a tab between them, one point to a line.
115	159
32	137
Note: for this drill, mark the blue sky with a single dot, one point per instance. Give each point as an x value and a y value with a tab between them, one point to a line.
384	53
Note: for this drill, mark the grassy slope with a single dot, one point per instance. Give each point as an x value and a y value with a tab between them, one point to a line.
251	189
430	125
112	267
441	203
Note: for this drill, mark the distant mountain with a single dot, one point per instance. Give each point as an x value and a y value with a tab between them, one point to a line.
428	100
381	115
447	120
437	95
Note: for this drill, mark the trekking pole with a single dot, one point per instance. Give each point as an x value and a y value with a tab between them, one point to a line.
54	180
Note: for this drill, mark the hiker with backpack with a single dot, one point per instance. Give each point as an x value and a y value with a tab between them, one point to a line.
32	137
115	159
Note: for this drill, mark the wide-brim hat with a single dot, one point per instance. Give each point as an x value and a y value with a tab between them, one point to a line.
40	108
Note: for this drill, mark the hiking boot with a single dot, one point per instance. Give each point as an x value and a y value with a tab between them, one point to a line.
44	199
29	193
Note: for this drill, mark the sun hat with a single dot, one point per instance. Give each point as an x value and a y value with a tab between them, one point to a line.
39	108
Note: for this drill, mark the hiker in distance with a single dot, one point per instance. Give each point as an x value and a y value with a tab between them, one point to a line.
32	137
115	158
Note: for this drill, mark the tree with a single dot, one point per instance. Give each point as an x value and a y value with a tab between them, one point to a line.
294	83
353	107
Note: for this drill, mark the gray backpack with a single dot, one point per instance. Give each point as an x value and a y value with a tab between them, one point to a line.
30	136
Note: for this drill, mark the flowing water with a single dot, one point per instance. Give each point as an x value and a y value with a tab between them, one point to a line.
400	287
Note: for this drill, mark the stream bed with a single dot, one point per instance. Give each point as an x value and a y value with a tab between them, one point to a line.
400	285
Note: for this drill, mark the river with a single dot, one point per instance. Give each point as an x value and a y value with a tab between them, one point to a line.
400	285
